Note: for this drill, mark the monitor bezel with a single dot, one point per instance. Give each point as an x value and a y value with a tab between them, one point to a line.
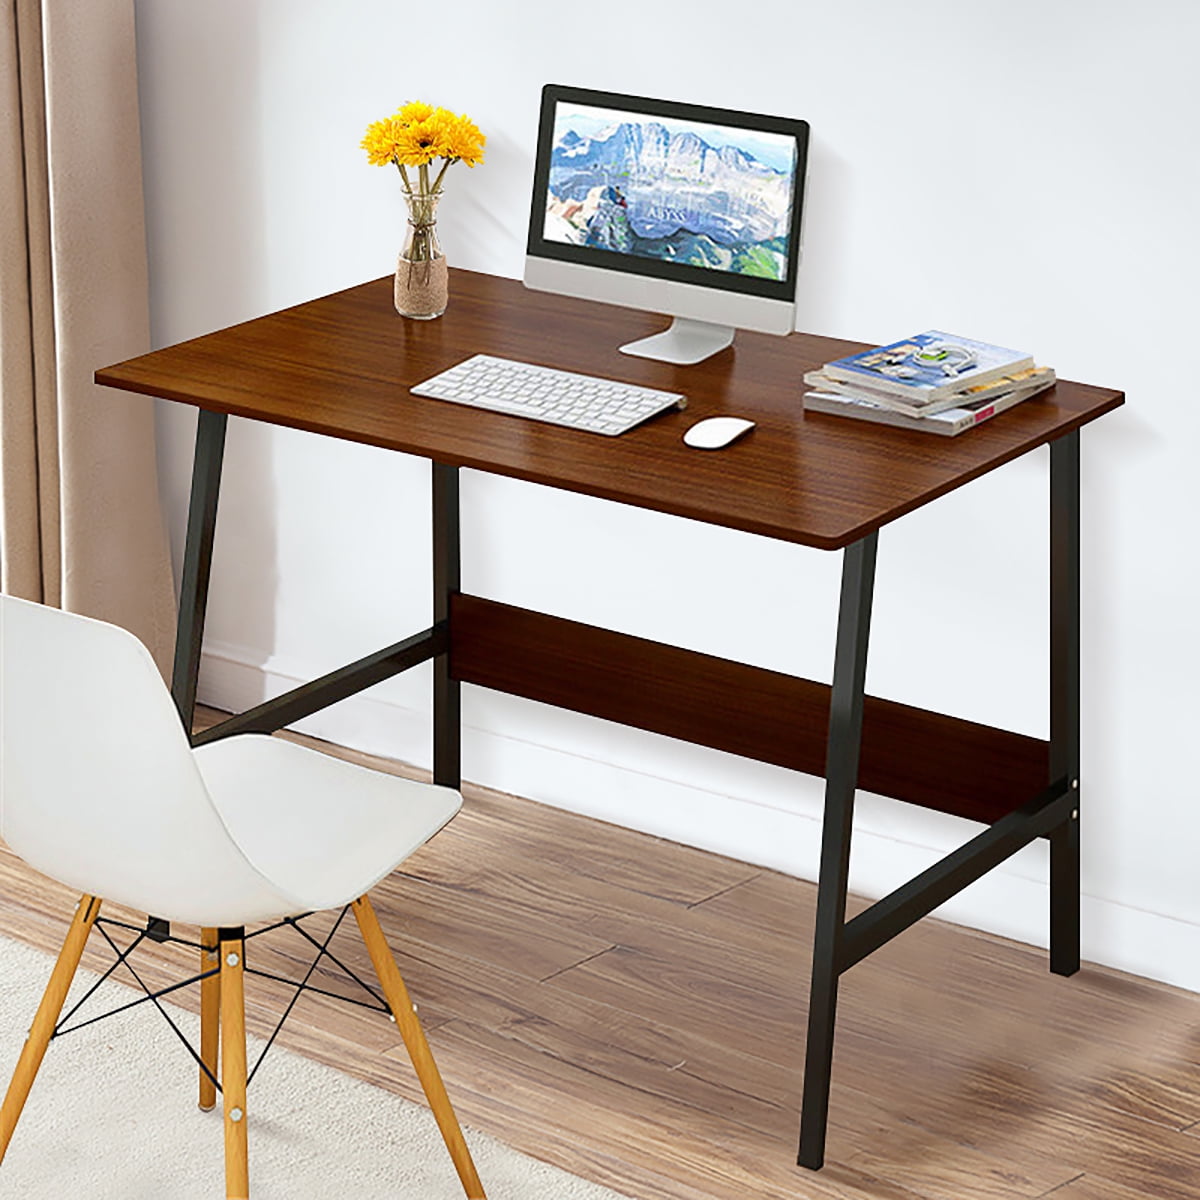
539	246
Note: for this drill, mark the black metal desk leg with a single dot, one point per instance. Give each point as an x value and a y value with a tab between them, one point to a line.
447	709
197	559
841	778
1064	698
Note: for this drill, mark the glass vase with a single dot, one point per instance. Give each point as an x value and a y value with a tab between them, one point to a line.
422	282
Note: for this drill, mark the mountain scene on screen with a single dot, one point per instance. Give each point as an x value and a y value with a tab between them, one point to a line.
637	188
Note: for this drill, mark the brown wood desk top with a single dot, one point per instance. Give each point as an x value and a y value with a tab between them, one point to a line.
342	365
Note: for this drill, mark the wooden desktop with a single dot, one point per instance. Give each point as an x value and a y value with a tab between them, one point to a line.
342	366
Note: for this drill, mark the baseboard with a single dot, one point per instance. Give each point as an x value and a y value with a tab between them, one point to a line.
716	802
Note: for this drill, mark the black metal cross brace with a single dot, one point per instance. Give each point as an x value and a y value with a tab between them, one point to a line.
154	932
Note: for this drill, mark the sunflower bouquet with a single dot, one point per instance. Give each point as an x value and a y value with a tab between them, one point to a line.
424	142
419	133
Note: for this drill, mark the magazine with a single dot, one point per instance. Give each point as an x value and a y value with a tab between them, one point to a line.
948	422
1025	380
928	367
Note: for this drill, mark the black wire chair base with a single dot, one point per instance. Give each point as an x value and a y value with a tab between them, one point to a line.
157	931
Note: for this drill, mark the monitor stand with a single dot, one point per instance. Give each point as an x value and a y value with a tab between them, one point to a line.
686	342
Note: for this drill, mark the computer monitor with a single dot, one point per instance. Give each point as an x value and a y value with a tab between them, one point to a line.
675	208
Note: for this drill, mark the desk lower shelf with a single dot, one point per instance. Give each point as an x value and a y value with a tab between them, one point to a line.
924	758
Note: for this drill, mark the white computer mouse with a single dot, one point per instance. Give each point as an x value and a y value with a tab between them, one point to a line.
715	432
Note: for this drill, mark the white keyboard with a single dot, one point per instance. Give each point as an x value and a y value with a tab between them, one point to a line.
545	394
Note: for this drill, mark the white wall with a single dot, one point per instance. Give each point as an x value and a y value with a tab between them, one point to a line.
1023	172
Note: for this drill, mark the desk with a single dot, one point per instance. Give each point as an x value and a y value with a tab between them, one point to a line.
342	365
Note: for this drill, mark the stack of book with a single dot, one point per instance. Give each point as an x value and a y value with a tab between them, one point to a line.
934	382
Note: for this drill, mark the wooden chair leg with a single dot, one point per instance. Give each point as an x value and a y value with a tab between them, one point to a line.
418	1048
233	1064
47	1017
210	1017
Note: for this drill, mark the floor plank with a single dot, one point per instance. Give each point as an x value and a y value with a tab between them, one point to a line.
1094	1187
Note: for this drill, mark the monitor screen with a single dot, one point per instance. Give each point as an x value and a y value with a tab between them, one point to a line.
668	190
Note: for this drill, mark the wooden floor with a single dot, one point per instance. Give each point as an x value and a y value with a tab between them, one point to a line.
633	1010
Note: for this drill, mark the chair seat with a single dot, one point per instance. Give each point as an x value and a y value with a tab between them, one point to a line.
323	831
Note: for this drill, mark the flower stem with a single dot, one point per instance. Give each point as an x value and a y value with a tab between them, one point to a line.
437	183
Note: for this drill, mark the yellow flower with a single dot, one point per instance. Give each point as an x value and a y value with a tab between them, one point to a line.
381	141
462	140
420	142
414	110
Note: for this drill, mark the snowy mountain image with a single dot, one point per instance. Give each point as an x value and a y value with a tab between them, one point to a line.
637	187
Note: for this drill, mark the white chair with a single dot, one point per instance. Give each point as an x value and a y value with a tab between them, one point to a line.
100	789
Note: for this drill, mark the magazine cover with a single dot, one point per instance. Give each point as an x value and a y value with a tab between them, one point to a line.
929	365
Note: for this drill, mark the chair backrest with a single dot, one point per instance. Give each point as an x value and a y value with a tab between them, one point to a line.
98	784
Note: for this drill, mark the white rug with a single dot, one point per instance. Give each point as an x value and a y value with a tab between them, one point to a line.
113	1116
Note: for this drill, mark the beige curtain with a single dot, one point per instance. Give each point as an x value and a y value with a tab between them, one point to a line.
80	521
